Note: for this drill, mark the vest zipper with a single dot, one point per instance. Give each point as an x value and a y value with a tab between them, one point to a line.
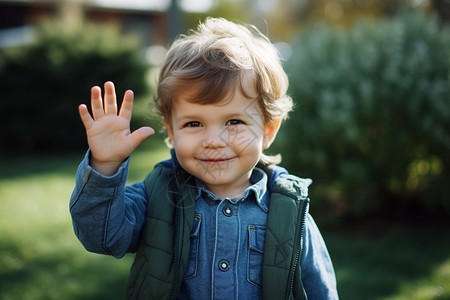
298	248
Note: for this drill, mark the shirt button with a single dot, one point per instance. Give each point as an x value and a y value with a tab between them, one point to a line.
224	265
227	211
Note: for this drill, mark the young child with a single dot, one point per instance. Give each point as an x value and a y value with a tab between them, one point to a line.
219	220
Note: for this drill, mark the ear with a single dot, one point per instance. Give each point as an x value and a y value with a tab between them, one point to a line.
270	132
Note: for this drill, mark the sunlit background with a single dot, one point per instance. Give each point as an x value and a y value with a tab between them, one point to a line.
371	83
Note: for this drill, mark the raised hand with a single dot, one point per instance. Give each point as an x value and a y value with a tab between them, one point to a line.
108	132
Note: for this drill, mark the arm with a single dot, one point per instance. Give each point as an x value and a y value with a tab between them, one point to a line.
318	278
107	216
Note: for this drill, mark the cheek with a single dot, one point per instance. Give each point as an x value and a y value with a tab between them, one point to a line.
245	140
183	145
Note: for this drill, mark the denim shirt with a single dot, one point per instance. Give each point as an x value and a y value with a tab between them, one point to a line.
227	239
227	244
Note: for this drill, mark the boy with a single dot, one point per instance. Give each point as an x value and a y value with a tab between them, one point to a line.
219	219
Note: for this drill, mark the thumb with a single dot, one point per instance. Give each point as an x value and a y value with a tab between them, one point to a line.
139	135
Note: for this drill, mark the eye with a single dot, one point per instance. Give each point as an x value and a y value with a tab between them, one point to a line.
234	122
192	124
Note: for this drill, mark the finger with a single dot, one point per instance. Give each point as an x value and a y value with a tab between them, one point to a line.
97	103
85	116
110	99
139	135
126	109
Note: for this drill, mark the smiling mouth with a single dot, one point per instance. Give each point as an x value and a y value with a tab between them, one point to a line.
216	161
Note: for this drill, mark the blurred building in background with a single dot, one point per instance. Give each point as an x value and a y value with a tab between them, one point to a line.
157	22
147	19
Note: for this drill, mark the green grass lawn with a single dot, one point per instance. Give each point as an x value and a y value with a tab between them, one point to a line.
392	261
40	257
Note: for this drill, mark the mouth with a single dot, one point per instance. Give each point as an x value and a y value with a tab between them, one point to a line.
216	161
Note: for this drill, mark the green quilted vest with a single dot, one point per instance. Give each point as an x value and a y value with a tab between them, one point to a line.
160	261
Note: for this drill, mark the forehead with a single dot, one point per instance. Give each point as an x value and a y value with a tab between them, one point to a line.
235	103
218	87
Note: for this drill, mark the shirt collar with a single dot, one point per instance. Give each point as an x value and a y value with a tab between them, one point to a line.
258	179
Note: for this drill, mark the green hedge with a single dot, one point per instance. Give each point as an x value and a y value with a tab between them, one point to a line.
371	124
42	83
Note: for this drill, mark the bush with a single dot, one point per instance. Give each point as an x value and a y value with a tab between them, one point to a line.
372	117
42	83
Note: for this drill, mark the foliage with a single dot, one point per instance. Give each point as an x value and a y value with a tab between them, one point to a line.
42	83
372	117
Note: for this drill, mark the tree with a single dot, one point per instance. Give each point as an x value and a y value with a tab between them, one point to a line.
372	117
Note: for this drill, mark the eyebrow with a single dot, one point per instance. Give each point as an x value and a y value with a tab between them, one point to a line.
236	115
186	117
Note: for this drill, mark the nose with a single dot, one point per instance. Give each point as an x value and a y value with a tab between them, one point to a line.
214	138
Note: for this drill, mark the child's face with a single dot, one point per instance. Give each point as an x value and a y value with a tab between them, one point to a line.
220	143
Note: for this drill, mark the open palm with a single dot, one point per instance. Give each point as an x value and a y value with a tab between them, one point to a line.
108	129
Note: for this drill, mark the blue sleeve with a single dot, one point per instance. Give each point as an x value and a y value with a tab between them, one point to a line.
107	216
318	278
